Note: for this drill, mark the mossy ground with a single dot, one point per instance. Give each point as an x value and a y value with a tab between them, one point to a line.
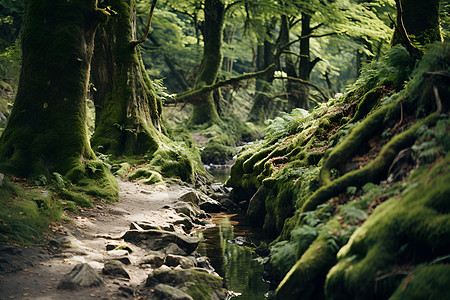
26	212
348	161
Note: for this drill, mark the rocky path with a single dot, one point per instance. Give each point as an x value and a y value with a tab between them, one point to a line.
137	248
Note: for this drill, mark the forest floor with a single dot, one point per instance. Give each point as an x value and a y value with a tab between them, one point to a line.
34	272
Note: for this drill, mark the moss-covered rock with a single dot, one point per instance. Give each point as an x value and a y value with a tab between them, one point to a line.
197	283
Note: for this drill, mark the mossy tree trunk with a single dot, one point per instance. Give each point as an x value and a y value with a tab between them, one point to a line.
205	111
47	131
128	113
421	20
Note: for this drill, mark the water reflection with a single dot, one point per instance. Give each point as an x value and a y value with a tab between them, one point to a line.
220	172
241	271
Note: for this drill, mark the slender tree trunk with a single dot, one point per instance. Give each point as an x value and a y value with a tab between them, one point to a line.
265	57
205	111
47	130
128	113
301	95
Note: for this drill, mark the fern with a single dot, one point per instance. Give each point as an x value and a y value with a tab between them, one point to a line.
353	215
286	124
59	180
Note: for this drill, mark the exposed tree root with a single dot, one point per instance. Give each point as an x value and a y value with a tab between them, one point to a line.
374	170
352	144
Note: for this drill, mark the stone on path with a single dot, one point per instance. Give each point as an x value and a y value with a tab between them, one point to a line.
188	280
167	292
81	276
153	260
159	239
115	268
178	260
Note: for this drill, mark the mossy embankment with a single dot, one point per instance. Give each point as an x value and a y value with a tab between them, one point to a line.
352	193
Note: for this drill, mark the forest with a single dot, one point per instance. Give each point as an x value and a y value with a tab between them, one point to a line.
221	149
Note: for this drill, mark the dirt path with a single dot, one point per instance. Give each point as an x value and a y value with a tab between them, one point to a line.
34	272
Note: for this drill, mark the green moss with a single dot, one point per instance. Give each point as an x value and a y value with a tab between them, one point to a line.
205	286
204	114
76	198
372	171
94	179
23	218
152	177
407	230
215	152
306	277
124	247
121	170
46	130
425	282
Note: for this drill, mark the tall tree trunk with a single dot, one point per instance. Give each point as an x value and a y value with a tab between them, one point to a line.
421	20
128	113
47	130
265	57
290	66
300	97
205	111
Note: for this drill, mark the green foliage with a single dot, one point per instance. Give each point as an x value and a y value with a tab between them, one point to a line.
41	180
393	70
432	142
286	124
59	180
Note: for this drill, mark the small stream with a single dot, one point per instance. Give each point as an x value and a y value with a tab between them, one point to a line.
240	268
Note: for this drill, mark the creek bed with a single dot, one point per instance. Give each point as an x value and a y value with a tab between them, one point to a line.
239	267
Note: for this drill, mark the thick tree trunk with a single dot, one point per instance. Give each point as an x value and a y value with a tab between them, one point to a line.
421	20
205	111
47	130
128	113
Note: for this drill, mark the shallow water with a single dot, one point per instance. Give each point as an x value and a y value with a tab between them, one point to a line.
241	271
220	172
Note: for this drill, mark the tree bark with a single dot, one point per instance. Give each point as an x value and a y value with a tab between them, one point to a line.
47	130
421	21
301	96
128	113
265	57
205	111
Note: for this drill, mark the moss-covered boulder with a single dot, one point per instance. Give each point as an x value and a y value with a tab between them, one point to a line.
197	283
